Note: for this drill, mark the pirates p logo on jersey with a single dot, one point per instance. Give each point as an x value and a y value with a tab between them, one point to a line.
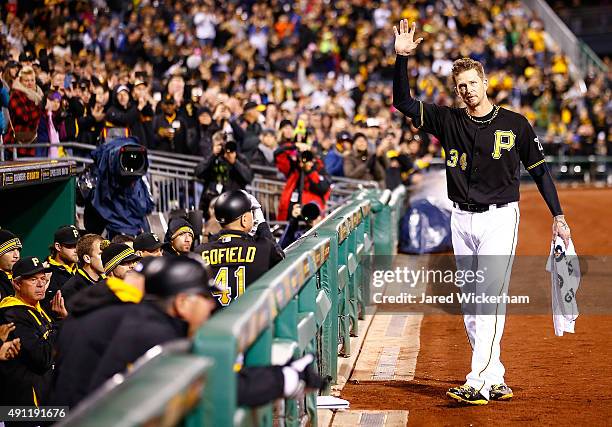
504	140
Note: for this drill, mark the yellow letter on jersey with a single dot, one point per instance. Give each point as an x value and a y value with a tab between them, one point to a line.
504	140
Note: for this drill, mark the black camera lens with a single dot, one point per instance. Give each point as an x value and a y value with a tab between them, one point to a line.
307	156
231	147
132	161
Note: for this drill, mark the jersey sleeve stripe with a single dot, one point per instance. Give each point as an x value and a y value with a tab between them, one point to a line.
536	164
421	115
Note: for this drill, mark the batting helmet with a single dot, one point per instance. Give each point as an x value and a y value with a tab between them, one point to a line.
168	276
231	205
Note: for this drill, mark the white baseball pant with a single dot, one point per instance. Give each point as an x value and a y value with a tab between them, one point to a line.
485	242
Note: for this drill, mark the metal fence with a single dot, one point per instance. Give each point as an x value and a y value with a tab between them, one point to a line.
173	184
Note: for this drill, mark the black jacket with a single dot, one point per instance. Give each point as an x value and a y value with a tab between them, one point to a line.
177	144
25	379
76	283
256	386
95	313
6	286
60	274
220	176
145	327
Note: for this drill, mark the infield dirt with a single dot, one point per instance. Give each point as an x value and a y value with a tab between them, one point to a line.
561	381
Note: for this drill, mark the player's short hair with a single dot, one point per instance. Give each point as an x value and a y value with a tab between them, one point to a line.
465	64
85	245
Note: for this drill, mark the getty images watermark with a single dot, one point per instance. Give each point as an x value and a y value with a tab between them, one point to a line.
407	286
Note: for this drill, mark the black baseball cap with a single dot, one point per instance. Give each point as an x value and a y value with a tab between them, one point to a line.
168	99
176	227
147	242
8	242
344	136
285	122
66	235
249	105
115	254
29	266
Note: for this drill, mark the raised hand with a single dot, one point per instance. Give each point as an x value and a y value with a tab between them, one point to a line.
404	38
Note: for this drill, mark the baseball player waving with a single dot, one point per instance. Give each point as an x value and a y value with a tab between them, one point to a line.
484	146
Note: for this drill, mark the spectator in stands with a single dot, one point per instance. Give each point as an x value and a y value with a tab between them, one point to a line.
170	130
95	315
10	251
179	237
122	116
286	132
25	108
25	379
77	107
264	155
91	123
52	127
143	129
332	158
148	244
206	128
118	259
248	139
363	163
4	105
307	180
90	271
62	261
223	169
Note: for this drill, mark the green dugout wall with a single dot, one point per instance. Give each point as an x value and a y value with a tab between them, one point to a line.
37	197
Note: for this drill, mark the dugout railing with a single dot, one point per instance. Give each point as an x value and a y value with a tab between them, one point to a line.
309	303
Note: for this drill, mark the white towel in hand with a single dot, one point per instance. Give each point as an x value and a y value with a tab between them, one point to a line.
565	278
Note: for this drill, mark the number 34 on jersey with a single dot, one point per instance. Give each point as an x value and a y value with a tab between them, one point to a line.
504	140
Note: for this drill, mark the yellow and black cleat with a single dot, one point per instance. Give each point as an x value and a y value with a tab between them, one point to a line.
467	395
500	392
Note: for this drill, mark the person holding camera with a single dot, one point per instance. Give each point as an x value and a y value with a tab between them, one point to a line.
223	169
307	180
170	130
302	219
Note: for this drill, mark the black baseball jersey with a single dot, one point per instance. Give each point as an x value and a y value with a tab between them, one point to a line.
482	159
237	260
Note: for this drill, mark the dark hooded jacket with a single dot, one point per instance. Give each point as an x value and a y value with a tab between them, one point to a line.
81	280
25	379
94	316
6	285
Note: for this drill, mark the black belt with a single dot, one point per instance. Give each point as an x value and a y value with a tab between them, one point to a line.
477	207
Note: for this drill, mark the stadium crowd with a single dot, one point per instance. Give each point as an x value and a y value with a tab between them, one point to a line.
172	73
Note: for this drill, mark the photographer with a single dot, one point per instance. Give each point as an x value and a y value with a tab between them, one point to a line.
224	169
307	179
302	219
